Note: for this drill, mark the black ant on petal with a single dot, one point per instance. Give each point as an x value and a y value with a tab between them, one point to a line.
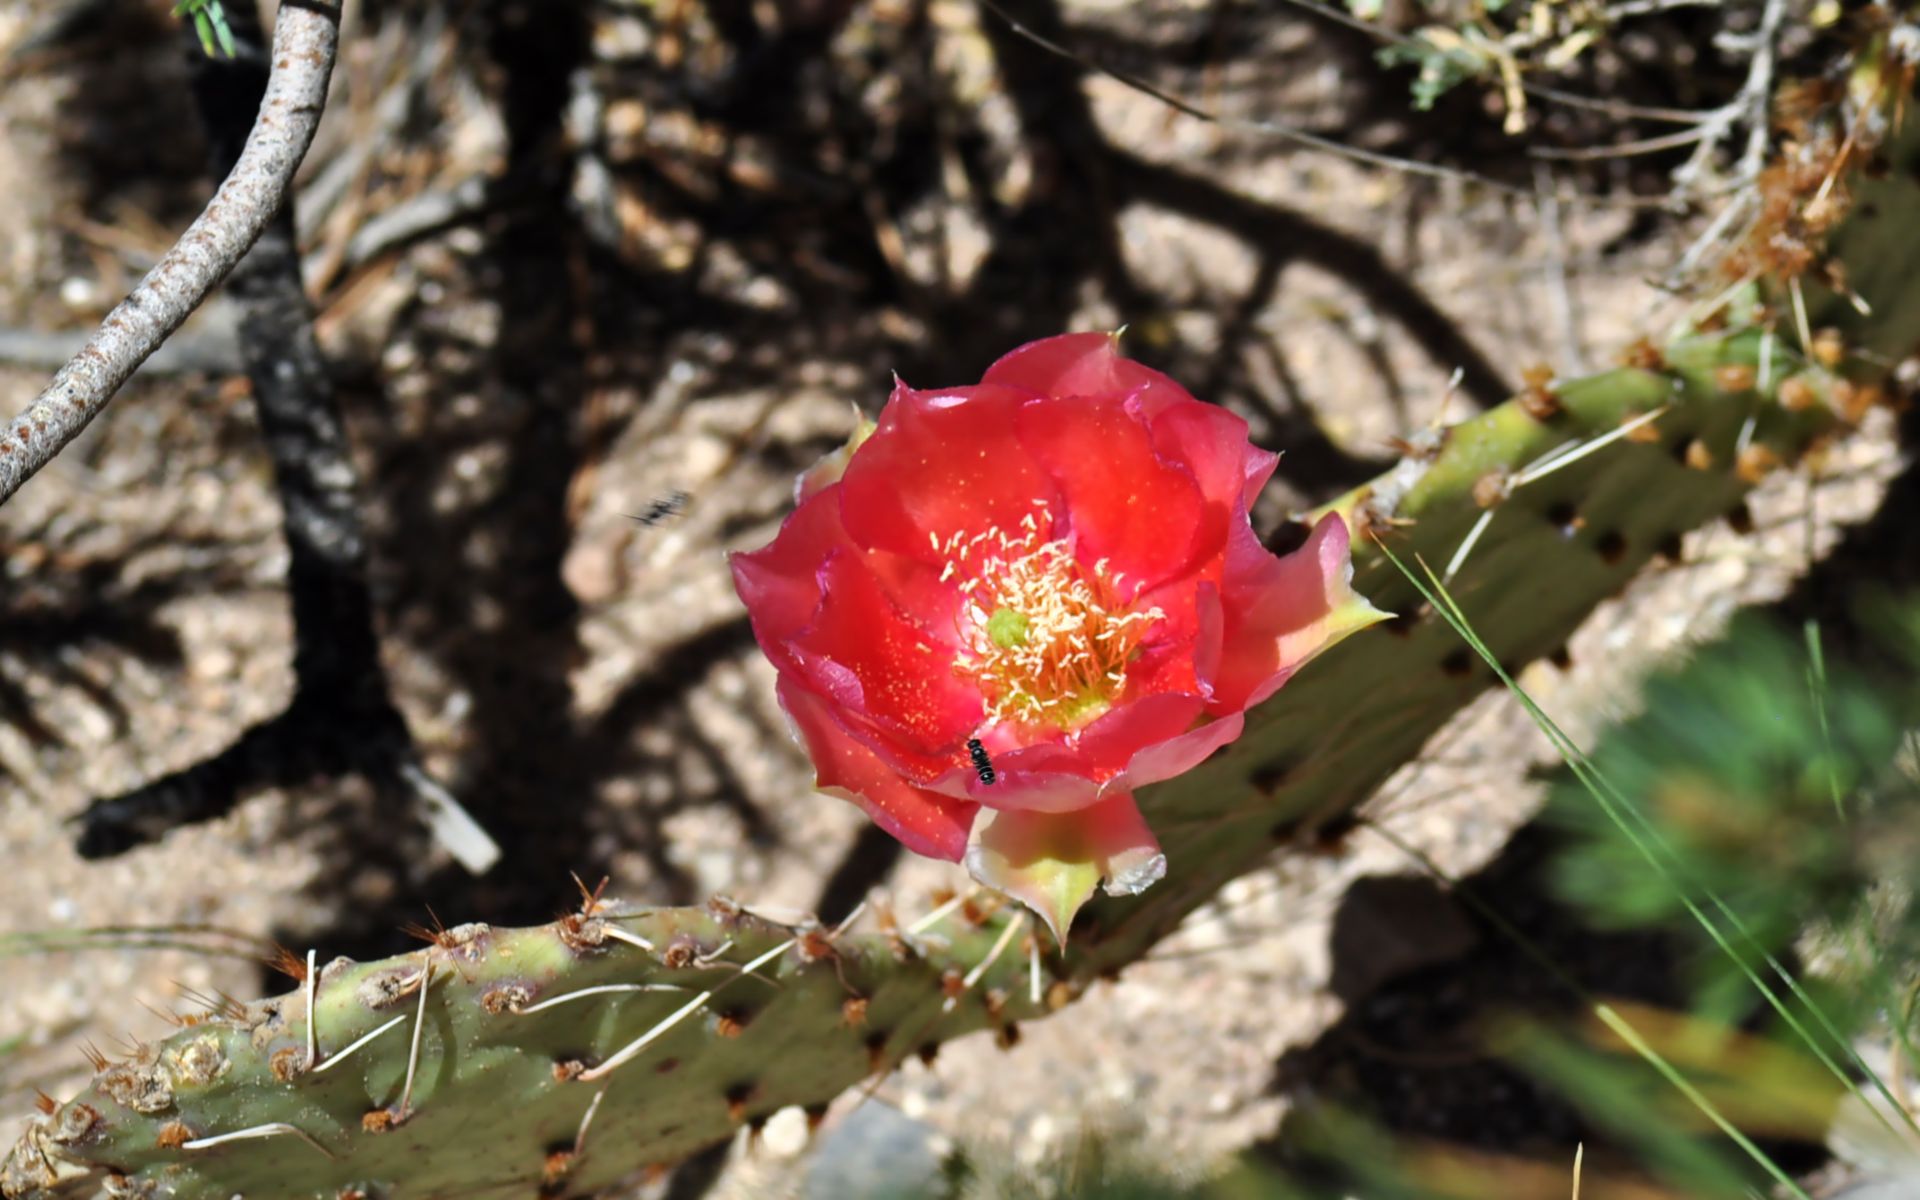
982	765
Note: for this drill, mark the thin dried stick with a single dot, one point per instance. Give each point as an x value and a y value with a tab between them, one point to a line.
1268	128
1616	108
305	37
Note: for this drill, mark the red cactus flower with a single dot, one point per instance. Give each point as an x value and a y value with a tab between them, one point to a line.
1035	595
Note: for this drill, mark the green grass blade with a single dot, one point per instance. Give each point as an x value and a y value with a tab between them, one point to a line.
1646	838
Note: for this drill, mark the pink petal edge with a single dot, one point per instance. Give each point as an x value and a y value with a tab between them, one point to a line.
1281	612
925	822
1051	862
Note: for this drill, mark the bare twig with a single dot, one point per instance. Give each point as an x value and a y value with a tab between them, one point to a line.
1749	107
1268	128
1558	279
1618	108
1615	108
305	36
416	217
210	346
341	719
1641	8
1742	207
1757	91
1650	145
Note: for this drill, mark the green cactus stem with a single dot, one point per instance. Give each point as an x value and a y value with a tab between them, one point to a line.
560	1059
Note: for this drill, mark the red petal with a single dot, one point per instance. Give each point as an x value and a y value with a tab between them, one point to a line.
1112	741
1210	442
1280	612
1043	776
925	823
779	582
1182	650
942	463
1090	364
1258	469
1025	783
917	590
1209	636
1208	439
863	653
1064	776
1072	364
1178	755
1126	505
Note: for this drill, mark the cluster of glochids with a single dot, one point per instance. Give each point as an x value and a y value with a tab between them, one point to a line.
211	1087
1811	382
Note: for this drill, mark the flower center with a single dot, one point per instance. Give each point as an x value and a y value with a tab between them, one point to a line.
1048	639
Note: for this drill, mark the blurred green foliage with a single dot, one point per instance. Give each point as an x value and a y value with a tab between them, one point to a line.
210	22
1440	67
1779	782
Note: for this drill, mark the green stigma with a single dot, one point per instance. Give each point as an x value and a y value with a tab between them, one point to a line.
1007	628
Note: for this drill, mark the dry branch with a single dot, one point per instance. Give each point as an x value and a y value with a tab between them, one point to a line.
342	719
306	34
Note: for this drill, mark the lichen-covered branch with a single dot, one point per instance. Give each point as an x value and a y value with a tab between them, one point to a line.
342	719
305	36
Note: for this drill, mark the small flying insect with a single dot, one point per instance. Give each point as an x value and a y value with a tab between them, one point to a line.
669	505
982	765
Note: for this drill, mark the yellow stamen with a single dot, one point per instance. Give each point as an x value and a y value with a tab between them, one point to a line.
1048	639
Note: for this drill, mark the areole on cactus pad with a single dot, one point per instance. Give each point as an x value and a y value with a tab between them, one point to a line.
1033	595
